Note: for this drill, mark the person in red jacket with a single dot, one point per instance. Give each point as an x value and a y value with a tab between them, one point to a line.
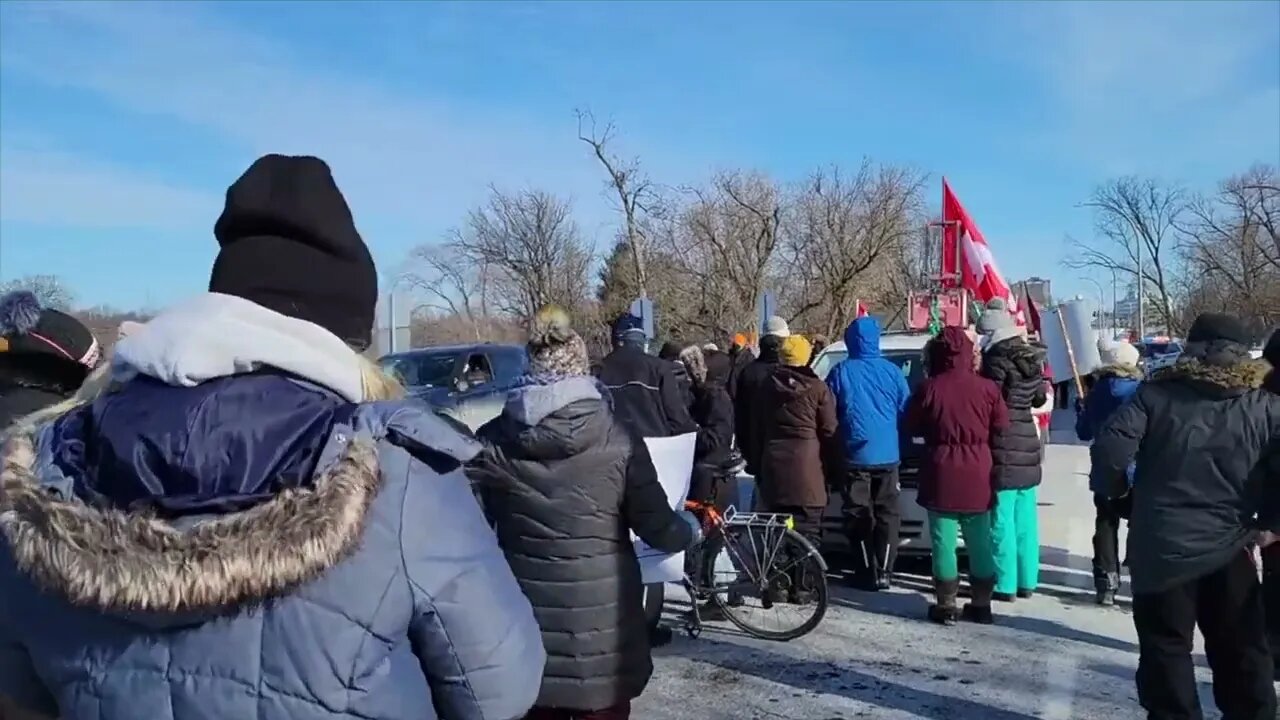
956	411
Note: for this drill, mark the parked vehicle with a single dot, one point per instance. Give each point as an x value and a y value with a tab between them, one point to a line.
1158	352
465	382
906	350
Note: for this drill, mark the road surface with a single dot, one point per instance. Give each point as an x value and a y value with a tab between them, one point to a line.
1056	656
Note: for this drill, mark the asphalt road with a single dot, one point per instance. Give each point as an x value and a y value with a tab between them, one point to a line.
1056	656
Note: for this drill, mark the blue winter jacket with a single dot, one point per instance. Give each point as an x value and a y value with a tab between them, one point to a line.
871	395
254	546
1113	386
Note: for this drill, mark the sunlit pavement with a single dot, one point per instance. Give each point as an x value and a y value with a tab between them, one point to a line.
1055	656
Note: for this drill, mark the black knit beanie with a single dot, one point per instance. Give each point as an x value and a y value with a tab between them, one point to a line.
29	329
289	244
1219	327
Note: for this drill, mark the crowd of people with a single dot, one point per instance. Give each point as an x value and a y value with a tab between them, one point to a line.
237	514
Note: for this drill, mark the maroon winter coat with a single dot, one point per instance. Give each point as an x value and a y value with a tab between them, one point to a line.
956	411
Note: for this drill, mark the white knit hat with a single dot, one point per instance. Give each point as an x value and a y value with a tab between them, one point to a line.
1118	353
776	326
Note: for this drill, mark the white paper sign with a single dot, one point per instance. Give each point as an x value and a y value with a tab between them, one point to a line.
673	459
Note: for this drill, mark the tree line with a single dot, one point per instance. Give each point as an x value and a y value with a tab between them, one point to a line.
1193	251
706	252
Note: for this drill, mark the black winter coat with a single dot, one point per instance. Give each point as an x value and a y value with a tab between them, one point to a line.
748	402
1018	368
1207	444
564	493
646	394
739	358
713	411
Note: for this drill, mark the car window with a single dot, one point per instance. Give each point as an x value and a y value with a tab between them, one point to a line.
508	363
910	362
827	360
421	369
478	371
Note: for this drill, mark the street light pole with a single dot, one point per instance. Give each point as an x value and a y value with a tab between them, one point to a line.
1142	297
1102	300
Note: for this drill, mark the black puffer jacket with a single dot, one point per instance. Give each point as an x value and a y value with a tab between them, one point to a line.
747	401
1207	444
1018	368
564	483
646	394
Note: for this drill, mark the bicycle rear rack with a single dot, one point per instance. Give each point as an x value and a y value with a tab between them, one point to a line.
767	521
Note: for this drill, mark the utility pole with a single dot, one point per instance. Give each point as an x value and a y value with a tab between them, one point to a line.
1142	297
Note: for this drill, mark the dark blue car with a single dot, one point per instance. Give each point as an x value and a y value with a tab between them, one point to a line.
467	382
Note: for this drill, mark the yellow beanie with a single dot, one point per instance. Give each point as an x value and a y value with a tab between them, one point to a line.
795	351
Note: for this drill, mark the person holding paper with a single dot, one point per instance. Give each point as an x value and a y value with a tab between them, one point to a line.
565	483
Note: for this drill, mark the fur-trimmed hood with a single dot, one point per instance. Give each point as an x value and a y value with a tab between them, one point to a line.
1124	372
126	562
1233	378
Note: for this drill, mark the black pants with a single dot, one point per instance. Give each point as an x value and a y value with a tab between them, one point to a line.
808	522
1227	606
720	488
869	500
1106	538
1271	597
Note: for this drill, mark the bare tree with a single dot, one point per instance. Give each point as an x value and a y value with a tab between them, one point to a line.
853	238
1137	223
48	289
635	192
724	241
522	251
451	283
1231	247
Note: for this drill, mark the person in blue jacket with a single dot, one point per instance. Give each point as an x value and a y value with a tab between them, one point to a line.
1114	383
871	396
239	518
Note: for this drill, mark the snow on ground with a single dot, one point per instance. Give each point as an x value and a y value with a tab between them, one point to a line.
1056	656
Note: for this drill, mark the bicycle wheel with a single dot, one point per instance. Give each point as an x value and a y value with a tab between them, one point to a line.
769	582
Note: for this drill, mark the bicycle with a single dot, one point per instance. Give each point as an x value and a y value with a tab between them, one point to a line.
757	557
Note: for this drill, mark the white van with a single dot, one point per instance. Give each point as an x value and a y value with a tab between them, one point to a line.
906	350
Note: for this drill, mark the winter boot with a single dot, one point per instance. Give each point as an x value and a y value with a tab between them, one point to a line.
884	573
979	609
864	577
1107	587
1024	594
945	611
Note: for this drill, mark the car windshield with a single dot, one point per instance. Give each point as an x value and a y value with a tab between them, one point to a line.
421	369
1155	349
910	362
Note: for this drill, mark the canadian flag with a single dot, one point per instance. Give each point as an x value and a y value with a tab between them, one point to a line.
862	309
978	272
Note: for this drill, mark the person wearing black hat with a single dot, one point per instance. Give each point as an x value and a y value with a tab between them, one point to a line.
646	394
671	353
45	355
248	479
1206	440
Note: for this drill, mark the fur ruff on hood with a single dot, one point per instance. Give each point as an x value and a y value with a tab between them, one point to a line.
1248	375
122	562
1124	372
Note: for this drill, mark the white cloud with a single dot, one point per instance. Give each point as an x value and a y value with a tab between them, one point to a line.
404	160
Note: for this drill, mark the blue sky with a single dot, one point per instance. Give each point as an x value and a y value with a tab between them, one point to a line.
121	125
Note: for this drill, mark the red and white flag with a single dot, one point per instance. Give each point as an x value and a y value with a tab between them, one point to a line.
862	309
977	272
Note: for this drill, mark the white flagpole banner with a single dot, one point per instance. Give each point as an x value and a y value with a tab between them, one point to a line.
673	459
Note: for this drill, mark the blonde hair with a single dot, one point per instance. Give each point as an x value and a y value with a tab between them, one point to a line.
376	383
